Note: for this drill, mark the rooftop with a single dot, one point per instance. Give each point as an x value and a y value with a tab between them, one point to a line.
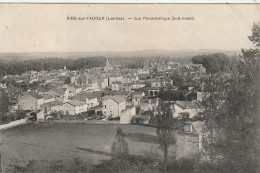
118	99
188	104
83	95
35	95
76	102
54	103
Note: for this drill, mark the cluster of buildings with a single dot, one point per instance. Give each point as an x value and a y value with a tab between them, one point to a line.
113	92
127	95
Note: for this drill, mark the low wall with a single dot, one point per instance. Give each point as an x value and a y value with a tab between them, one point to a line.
13	124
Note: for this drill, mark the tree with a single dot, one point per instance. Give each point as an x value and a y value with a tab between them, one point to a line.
120	147
4	102
212	62
231	114
165	123
255	36
67	80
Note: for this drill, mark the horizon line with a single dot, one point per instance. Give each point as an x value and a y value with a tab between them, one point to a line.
122	51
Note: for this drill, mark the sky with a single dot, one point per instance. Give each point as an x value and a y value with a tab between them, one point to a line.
45	28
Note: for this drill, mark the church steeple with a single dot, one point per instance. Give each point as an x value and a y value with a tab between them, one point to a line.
108	66
107	63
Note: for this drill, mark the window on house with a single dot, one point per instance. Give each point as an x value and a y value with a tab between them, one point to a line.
105	106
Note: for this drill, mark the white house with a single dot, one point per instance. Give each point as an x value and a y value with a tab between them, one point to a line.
91	99
190	108
126	115
74	107
156	83
30	101
114	105
144	70
103	83
136	97
51	107
137	85
93	83
73	89
60	94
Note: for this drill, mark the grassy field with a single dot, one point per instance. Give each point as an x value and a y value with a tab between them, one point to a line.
89	142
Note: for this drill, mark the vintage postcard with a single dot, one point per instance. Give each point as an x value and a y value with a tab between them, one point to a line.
129	88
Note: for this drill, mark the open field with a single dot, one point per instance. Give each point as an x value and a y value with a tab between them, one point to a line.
92	143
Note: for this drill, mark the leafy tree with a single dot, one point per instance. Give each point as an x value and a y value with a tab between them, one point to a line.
212	62
165	123
255	36
231	115
4	102
120	147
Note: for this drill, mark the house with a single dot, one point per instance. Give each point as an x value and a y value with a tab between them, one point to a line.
74	107
116	85
47	98
115	93
60	94
137	85
156	83
93	83
40	114
192	108
81	80
114	78
41	90
144	70
189	139
99	95
114	105
73	89
30	101
126	86
52	106
149	104
103	83
191	94
91	99
127	114
136	97
153	91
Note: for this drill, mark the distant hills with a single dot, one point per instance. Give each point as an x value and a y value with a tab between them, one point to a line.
139	53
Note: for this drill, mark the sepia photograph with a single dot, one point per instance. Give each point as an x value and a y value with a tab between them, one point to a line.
129	88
